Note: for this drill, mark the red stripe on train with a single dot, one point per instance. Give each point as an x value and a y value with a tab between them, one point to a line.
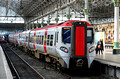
25	40
34	40
45	41
80	41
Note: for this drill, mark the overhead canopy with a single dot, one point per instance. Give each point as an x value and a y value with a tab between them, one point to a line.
31	10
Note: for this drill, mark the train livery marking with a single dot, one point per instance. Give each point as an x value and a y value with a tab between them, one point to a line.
45	41
34	40
80	41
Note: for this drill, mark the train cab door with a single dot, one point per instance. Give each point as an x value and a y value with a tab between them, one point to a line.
79	39
79	43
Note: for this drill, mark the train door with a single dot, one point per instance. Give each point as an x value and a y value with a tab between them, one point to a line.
56	37
57	40
79	45
50	42
78	39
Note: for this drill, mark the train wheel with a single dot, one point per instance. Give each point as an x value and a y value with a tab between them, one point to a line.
25	49
47	59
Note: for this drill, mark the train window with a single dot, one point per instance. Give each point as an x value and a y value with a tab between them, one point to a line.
37	39
57	37
48	38
30	39
66	34
26	39
51	40
89	35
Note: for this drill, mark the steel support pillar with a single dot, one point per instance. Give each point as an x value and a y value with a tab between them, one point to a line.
48	22
33	25
37	24
116	27
68	13
56	19
42	23
116	49
86	10
116	23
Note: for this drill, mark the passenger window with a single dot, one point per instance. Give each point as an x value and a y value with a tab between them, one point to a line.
37	39
32	39
51	40
48	38
40	40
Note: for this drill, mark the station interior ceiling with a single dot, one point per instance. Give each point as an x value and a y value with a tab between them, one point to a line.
31	11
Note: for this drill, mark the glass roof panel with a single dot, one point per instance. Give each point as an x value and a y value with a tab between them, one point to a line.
11	16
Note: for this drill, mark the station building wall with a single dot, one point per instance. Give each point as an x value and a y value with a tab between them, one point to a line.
108	28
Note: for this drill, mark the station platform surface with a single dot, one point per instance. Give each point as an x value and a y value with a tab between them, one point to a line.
109	58
5	72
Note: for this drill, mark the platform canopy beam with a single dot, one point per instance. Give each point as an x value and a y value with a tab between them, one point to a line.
86	10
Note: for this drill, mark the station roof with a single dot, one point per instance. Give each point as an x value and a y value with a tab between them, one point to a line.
99	9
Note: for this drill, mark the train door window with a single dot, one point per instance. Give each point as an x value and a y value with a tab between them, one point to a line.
57	37
48	38
51	40
26	38
37	39
42	39
31	39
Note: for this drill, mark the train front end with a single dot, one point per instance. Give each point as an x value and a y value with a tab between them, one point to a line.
82	46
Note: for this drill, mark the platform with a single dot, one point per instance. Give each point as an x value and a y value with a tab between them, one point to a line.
109	63
109	58
5	72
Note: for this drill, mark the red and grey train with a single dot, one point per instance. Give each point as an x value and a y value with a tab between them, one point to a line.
69	44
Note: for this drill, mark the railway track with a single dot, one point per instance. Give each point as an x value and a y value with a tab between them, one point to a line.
49	72
22	68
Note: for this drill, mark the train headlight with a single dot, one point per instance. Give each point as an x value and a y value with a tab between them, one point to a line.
91	49
64	49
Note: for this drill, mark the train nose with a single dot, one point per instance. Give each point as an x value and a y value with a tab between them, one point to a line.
79	62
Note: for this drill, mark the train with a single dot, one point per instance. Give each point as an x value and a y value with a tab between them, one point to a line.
68	44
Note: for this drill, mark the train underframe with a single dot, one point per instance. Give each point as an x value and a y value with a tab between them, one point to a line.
58	63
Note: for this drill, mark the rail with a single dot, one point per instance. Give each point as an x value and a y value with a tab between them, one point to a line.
16	75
